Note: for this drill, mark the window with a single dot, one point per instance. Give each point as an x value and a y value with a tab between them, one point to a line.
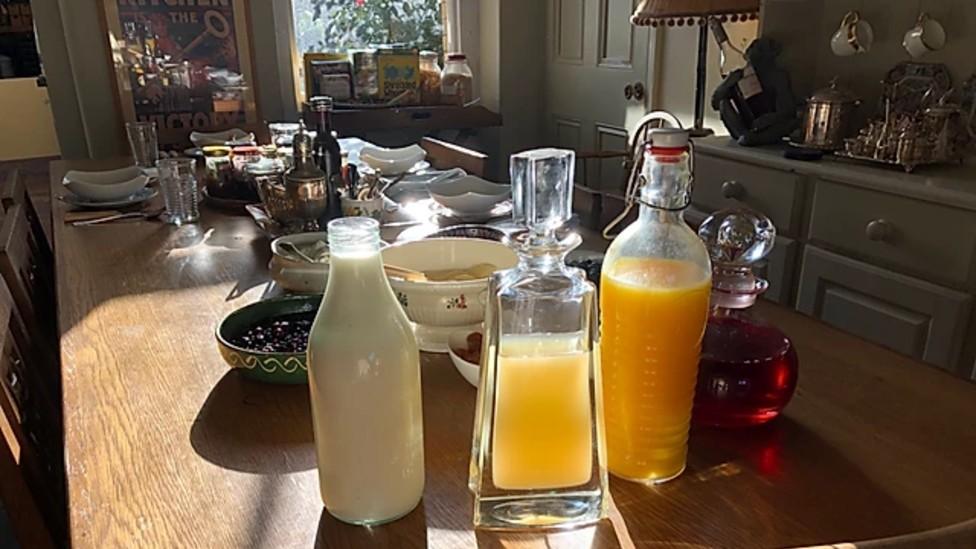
337	25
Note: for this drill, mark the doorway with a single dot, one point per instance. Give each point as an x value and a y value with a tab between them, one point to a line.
596	82
23	88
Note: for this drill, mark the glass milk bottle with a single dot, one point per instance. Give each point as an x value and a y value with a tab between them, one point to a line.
748	368
364	378
654	294
538	452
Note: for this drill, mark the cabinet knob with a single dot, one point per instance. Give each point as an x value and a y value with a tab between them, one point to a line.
878	230
733	189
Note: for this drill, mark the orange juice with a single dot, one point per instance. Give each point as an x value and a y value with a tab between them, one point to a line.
653	315
543	429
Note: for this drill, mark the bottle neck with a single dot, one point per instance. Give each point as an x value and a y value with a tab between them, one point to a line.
544	252
657	215
323	124
356	270
667	179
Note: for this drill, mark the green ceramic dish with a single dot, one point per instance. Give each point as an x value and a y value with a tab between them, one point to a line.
285	368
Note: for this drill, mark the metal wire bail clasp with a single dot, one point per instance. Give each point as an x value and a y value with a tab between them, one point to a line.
638	141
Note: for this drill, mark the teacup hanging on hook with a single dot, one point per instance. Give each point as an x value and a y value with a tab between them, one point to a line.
855	35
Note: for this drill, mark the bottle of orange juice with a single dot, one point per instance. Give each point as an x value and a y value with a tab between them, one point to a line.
538	455
653	308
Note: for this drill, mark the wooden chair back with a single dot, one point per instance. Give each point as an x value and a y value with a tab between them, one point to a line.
444	156
13	192
28	271
29	276
31	452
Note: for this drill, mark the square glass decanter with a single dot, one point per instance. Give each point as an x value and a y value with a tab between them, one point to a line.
538	452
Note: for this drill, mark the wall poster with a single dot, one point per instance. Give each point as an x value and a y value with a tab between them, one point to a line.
184	64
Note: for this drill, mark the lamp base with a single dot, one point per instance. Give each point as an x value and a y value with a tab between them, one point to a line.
701	132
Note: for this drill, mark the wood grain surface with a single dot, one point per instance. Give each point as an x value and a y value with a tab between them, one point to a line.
167	448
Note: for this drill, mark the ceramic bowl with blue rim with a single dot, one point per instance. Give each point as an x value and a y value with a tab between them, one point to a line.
269	367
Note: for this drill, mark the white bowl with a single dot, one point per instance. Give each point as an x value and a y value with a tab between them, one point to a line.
108	185
469	194
296	275
440	308
470	371
230	138
392	161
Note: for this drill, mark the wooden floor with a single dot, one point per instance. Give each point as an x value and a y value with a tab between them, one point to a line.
36	174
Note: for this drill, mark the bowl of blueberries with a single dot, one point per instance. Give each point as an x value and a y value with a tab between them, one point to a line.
267	339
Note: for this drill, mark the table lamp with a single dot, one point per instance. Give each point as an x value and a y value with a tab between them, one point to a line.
673	13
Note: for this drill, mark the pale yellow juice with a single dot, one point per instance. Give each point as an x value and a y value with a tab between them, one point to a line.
543	426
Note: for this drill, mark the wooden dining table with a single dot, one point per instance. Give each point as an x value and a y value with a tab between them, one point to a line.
167	447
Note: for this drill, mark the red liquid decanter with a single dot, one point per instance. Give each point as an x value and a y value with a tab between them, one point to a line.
748	368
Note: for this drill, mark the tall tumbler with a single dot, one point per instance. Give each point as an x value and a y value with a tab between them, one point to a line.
179	183
143	142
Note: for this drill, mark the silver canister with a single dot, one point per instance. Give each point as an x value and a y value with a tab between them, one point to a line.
828	116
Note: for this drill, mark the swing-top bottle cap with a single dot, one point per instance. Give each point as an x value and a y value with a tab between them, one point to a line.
669	138
736	240
320	103
542	189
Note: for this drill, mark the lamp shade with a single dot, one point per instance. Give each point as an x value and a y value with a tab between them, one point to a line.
680	12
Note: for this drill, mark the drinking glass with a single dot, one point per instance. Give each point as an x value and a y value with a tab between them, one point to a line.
143	142
179	183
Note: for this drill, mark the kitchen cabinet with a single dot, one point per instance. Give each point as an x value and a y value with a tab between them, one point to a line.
885	255
911	316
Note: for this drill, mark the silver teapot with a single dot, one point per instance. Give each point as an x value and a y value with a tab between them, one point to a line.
302	200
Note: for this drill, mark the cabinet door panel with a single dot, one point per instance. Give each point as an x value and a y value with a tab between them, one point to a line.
907	315
931	241
721	183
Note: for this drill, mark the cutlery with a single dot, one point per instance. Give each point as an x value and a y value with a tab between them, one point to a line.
71	217
290	247
410	275
147	215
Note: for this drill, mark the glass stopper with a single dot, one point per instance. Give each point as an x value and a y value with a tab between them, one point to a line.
738	237
736	240
542	189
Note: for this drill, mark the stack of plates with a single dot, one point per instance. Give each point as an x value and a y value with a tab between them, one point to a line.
107	189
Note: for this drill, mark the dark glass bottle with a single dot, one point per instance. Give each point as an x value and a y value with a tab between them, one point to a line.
325	148
748	368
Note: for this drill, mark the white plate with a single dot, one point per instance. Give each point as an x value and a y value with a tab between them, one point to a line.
230	138
105	185
137	198
469	194
392	161
450	216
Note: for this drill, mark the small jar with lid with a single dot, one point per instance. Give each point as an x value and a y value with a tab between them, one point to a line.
430	78
244	155
219	172
457	80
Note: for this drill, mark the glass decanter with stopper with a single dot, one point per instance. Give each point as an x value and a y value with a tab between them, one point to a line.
538	457
364	381
748	368
653	306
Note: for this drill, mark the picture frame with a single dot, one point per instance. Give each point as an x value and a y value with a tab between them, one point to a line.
186	67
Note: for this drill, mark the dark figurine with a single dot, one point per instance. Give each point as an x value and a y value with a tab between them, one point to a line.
756	103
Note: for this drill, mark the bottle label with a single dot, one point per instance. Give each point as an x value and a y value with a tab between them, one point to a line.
749	84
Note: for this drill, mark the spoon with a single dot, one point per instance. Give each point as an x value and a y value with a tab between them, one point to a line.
293	249
409	275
